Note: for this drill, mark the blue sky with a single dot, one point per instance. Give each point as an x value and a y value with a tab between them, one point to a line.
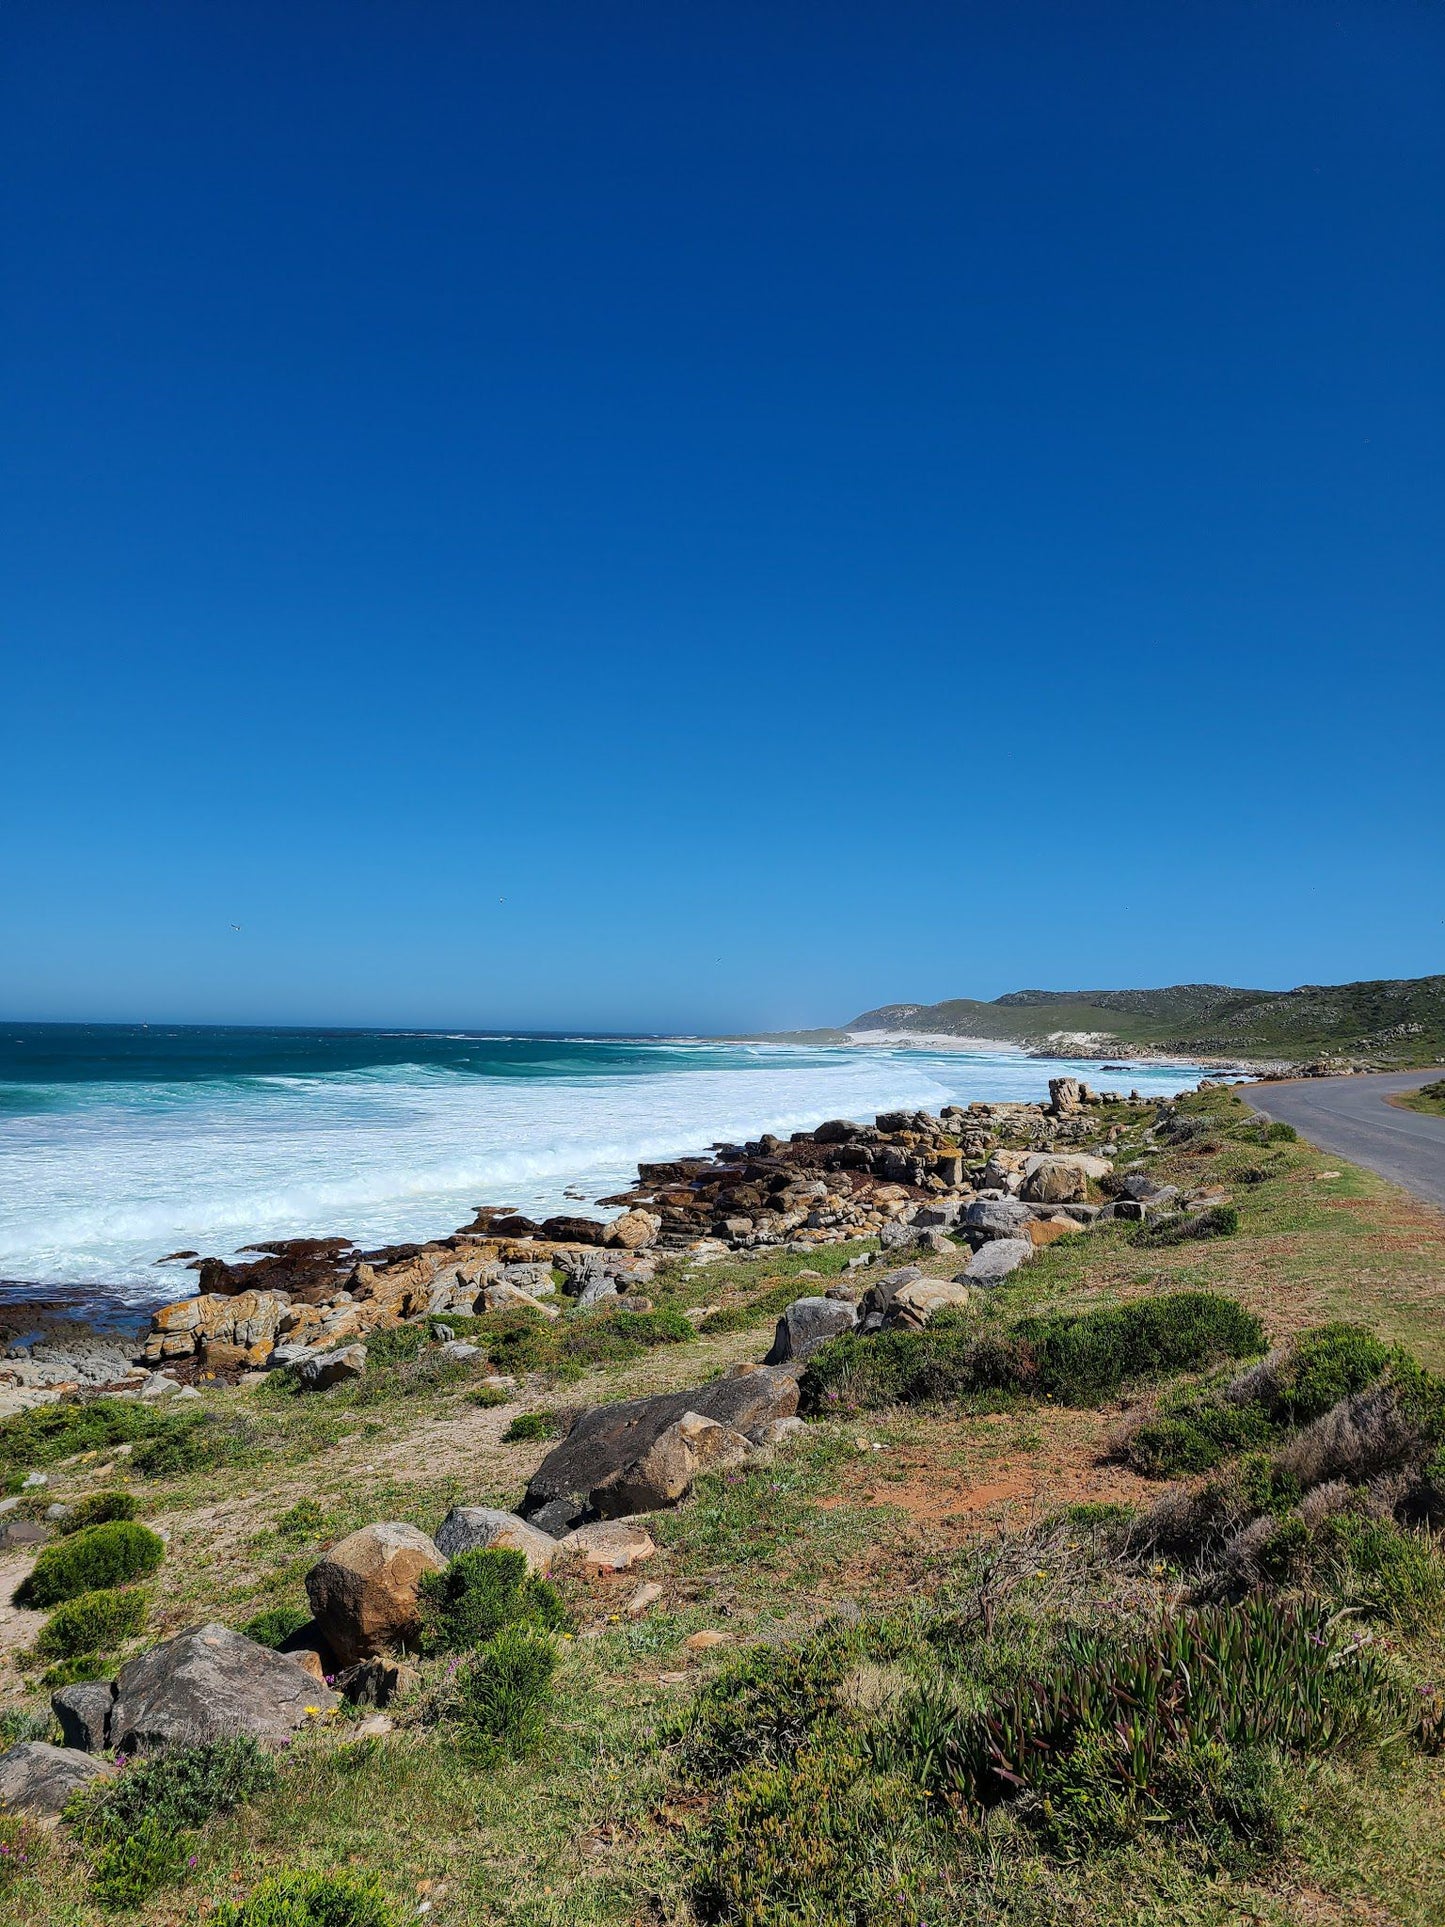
712	516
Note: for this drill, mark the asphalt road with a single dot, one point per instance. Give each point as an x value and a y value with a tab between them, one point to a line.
1349	1115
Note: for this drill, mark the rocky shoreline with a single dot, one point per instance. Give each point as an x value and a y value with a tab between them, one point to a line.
1000	1174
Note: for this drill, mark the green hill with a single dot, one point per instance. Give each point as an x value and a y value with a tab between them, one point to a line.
1389	1022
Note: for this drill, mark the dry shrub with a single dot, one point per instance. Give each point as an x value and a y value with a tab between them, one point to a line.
1356	1440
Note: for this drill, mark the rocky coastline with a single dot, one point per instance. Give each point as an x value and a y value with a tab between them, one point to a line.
995	1173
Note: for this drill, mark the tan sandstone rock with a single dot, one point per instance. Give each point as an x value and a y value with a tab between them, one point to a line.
364	1591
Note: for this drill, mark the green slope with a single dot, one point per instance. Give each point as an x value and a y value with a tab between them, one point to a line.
1390	1022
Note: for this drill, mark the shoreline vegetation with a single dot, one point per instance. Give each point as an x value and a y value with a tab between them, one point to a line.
1072	1558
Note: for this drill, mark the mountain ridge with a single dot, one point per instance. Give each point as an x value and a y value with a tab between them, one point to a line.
1394	1020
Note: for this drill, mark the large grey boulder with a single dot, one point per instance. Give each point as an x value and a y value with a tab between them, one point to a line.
996	1218
332	1368
878	1299
806	1324
36	1777
210	1683
572	1483
84	1712
995	1260
668	1469
478	1528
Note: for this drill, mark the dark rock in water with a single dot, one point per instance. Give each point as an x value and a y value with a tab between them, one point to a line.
294	1265
574	1231
808	1323
605	1445
210	1683
513	1225
84	1712
36	1777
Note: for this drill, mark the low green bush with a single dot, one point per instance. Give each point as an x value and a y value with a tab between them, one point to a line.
612	1338
1216	1221
138	1824
276	1625
1319	1369
819	1839
73	1672
1193	1437
527	1426
395	1345
130	1867
302	1520
505	1694
1075	1358
763	1707
478	1595
98	1509
1175	1721
92	1623
52	1432
308	1900
182	1448
93	1560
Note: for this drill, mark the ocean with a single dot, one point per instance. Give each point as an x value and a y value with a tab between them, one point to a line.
120	1144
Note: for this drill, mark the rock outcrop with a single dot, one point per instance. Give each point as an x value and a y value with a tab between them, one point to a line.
475	1528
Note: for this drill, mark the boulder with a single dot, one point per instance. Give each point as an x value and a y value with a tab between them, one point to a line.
364	1591
1143	1189
570	1484
663	1475
878	1299
36	1777
505	1297
1054	1181
374	1682
1048	1231
935	1244
915	1303
474	1528
634	1230
1066	1095
331	1368
83	1713
607	1545
806	1324
995	1260
210	1683
941	1215
996	1218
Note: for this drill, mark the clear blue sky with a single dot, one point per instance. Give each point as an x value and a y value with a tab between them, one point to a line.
810	504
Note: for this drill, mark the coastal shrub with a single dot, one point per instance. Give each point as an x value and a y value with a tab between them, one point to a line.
820	1839
478	1595
128	1869
92	1623
612	1338
395	1345
52	1432
527	1426
763	1707
1174	1721
308	1900
98	1509
1217	1221
516	1340
1075	1358
91	1561
138	1823
196	1445
505	1693
302	1520
1303	1380
1192	1436
17	1724
73	1672
489	1397
275	1626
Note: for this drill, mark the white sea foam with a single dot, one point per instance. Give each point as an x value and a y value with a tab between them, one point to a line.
102	1179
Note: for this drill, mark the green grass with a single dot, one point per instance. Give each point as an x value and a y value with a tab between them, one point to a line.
1429	1100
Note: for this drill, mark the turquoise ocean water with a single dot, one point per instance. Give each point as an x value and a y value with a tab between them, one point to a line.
119	1144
